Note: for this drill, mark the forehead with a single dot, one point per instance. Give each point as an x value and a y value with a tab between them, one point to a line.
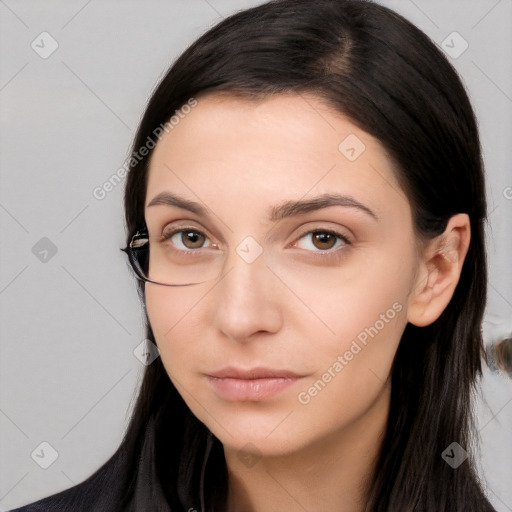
283	127
283	146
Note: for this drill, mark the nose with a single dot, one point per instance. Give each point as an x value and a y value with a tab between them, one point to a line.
246	302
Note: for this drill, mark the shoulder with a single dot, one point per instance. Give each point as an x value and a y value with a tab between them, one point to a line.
91	495
67	500
125	482
104	490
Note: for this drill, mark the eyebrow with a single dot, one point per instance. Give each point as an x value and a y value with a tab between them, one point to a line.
275	213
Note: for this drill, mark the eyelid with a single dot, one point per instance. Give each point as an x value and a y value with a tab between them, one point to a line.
320	255
177	224
333	254
308	228
321	227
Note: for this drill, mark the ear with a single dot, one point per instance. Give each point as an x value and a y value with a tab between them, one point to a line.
439	271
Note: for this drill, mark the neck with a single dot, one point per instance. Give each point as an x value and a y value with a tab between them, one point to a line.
332	473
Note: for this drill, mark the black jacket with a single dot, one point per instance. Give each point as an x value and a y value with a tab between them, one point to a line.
112	489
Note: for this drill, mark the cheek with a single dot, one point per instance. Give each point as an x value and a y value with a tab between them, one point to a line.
353	366
364	320
171	315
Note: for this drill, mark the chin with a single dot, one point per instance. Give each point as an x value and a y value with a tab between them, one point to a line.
255	428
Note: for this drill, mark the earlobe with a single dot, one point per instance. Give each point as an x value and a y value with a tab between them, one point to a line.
439	272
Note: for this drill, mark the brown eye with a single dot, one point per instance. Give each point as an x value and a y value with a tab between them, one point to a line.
323	239
187	238
192	239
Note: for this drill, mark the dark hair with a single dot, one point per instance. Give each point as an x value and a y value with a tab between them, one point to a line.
383	73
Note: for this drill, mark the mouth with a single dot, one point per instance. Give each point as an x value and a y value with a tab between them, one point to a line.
256	384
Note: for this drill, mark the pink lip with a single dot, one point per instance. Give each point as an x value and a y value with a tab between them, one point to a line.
256	384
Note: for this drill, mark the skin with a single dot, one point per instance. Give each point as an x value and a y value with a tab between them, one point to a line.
239	158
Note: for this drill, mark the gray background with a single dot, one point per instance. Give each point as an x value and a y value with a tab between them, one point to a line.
70	321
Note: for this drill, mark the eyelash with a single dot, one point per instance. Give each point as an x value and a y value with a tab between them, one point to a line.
329	253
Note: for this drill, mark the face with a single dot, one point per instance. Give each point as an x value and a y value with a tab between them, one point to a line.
293	343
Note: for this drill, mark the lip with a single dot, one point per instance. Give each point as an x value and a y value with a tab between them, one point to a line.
255	384
259	372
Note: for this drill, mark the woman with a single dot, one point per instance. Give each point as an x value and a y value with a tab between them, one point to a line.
305	213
